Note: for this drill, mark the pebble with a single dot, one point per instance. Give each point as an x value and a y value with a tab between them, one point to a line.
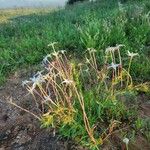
4	135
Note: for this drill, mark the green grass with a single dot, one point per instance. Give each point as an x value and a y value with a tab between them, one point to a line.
24	39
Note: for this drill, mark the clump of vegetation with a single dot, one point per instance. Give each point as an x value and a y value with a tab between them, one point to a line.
84	100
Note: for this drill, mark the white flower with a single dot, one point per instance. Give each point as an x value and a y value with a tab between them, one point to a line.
131	54
114	66
113	49
62	51
25	82
37	78
66	81
126	141
47	98
45	60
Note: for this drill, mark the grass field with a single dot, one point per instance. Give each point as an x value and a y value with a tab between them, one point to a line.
94	98
25	36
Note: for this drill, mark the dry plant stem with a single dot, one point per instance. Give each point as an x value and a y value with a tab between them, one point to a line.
93	64
48	88
42	98
51	101
129	71
56	91
54	88
86	122
57	69
112	126
120	71
112	85
36	92
106	59
120	60
94	60
44	94
66	59
31	92
63	65
113	54
93	67
91	59
24	110
64	93
56	85
61	68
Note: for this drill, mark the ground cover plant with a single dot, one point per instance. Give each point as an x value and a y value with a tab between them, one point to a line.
86	101
99	24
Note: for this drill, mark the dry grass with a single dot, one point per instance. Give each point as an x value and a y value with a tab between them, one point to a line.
7	14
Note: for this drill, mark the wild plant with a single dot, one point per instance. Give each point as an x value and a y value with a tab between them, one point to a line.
81	100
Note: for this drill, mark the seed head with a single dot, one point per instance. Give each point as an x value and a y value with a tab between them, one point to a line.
66	81
131	54
126	141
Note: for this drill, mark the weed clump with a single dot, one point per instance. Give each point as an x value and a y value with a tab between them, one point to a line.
84	101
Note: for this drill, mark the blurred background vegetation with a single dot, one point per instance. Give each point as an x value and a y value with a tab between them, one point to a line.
24	35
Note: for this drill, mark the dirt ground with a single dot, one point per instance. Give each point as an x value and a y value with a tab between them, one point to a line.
20	131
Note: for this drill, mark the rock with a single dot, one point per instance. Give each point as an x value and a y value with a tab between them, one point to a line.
4	135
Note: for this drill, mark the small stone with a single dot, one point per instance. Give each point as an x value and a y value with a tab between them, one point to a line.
3	136
8	132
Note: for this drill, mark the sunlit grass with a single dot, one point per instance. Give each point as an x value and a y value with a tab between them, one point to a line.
8	14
